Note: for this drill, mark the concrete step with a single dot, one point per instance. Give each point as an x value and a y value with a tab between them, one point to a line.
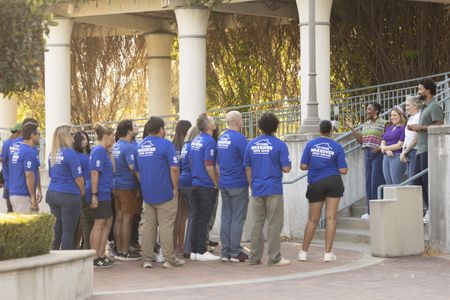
352	223
352	236
358	210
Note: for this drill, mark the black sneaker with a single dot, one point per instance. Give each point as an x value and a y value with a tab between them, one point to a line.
101	263
130	256
212	244
110	260
187	255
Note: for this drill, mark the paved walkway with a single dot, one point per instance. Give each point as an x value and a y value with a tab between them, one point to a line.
355	275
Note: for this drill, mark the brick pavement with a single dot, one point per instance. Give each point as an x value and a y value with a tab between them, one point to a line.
347	278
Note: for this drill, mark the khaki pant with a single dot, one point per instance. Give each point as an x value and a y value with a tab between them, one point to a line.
21	204
163	215
268	208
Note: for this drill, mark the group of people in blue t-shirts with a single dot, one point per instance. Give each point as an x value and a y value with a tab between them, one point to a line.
168	184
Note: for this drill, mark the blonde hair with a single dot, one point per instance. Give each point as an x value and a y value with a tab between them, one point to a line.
102	130
414	100
401	114
191	134
61	138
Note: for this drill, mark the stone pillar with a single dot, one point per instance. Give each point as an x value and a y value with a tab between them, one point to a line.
323	12
8	111
192	27
439	187
159	48
57	79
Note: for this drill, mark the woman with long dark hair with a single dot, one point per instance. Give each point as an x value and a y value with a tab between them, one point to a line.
180	222
83	149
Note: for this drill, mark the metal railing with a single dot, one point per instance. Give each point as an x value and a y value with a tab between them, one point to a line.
380	189
349	106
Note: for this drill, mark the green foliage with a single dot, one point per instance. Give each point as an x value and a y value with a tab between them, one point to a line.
22	44
25	235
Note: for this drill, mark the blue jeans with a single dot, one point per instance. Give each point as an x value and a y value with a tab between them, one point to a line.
411	162
234	212
186	194
373	163
66	209
393	169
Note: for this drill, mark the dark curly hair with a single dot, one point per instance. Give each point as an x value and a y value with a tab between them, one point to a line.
268	123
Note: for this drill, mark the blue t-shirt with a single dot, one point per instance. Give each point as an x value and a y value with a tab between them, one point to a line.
124	153
5	166
324	158
203	149
100	161
63	172
14	146
185	167
230	157
84	162
23	160
155	156
267	155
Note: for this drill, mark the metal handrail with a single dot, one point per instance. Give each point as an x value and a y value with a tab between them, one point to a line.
406	182
391	83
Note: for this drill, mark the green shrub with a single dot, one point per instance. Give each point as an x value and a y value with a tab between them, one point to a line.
25	235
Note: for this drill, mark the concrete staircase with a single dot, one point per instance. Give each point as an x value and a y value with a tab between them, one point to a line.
350	227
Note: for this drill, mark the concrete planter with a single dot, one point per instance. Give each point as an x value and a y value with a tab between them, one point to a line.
58	275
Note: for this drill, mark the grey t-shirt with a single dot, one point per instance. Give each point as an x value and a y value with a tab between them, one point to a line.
431	112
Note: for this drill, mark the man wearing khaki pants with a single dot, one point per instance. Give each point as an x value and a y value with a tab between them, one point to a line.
266	158
158	172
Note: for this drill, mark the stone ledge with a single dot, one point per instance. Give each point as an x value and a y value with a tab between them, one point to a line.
437	130
53	258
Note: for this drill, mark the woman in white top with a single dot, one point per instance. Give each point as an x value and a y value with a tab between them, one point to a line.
408	154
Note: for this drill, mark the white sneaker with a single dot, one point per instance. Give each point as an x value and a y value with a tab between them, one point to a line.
173	263
207	257
327	257
426	218
302	255
146	264
224	259
193	256
282	262
160	257
365	216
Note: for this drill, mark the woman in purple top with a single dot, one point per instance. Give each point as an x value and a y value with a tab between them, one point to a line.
391	147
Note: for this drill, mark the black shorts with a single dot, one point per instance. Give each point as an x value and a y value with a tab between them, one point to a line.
103	210
328	187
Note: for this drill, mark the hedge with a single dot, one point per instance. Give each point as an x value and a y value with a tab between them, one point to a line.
25	235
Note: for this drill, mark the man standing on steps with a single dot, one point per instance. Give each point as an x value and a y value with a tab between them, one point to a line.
430	114
266	159
233	187
204	186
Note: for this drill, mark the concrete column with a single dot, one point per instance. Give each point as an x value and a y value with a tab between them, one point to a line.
159	47
439	187
57	78
8	111
323	12
192	26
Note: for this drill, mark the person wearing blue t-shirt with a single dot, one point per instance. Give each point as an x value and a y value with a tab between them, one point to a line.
65	188
158	172
186	186
15	133
127	203
83	150
266	159
325	161
98	193
233	187
24	171
204	187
